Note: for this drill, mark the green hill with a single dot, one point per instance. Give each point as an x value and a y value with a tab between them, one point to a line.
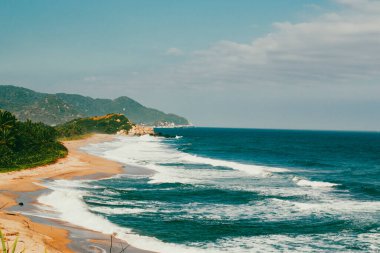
59	108
108	124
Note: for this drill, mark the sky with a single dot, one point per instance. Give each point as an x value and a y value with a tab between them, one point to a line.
293	64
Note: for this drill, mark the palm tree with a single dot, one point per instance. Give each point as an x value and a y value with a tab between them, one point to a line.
7	127
7	119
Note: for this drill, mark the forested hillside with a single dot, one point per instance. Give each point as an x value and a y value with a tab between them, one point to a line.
108	124
54	109
27	144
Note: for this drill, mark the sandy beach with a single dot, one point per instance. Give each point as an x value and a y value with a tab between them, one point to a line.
52	236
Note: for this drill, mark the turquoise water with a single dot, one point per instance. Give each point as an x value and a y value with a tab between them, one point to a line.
244	190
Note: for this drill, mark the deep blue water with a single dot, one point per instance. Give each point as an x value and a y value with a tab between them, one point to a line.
245	190
351	159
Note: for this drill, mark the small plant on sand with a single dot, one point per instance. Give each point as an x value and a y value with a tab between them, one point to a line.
5	246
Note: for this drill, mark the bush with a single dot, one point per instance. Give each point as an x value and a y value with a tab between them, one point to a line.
108	124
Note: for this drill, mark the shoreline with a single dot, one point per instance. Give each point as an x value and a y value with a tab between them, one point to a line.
38	234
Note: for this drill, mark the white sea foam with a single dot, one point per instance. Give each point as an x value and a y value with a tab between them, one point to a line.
265	210
152	152
341	206
66	200
317	184
247	168
114	210
329	242
68	203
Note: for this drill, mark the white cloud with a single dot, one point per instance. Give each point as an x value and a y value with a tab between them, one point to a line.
174	51
335	48
323	73
361	5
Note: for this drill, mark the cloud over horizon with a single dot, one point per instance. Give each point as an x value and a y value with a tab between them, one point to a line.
335	48
320	73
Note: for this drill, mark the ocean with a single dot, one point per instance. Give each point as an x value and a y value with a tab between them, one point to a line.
233	190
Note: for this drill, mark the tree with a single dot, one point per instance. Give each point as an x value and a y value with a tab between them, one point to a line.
27	144
7	129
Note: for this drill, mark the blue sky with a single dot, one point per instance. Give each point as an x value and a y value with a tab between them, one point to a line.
129	34
168	54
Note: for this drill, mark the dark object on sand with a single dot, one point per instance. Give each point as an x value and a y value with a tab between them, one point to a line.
20	204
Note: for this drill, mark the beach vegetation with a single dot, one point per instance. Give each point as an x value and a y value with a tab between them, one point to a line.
27	144
5	248
107	124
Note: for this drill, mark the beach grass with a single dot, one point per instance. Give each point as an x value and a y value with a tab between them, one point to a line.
5	247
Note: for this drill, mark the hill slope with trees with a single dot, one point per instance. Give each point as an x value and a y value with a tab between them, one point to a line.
54	109
27	144
107	124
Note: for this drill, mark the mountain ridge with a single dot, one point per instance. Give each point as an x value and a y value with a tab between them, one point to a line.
59	108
